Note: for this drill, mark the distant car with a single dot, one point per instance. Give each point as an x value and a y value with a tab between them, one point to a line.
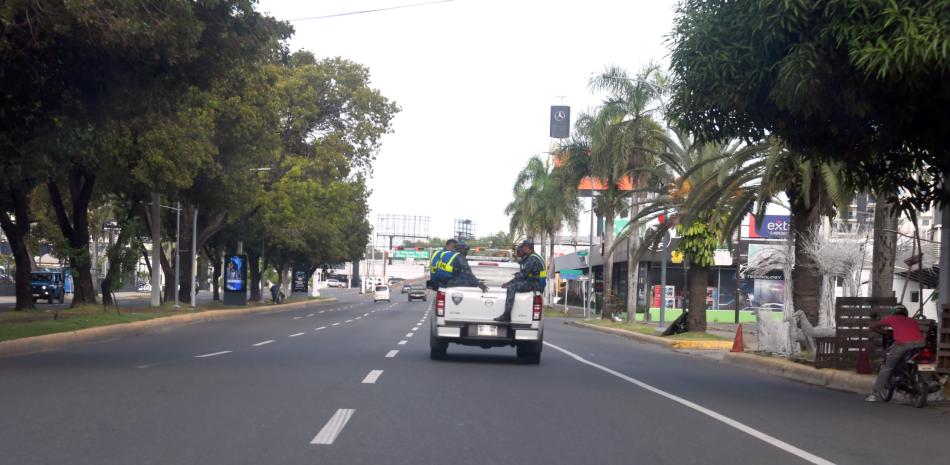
405	288
381	293
395	280
417	292
144	287
47	285
334	283
775	307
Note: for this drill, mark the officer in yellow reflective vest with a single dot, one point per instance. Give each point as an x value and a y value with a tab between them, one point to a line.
435	260
532	277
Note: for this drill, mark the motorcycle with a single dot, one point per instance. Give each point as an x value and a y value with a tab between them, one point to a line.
915	375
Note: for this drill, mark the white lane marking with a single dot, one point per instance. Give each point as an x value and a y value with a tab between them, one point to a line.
298	317
334	426
358	318
403	342
372	377
296	334
212	354
805	455
262	343
416	328
322	327
366	314
409	334
391	353
322	311
310	314
348	321
336	324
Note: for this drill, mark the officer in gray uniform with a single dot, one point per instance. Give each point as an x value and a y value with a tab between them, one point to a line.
532	277
462	275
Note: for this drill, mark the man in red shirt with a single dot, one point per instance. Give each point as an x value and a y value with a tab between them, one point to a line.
907	336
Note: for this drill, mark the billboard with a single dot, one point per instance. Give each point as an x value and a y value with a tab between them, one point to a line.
235	274
560	121
299	283
770	227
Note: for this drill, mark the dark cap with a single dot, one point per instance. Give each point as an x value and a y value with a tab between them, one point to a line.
461	246
451	241
527	243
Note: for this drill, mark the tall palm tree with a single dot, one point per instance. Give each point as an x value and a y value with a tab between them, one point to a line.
544	202
635	104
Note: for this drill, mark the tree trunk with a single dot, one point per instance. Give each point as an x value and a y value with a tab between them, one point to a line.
608	272
116	269
254	267
16	230
76	230
698	281
806	278
633	265
168	269
205	232
885	249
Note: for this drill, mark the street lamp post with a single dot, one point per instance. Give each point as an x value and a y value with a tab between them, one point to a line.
177	250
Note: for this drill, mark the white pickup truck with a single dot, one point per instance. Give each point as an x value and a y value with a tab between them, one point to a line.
465	315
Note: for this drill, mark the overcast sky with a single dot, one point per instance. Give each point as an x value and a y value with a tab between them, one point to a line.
475	80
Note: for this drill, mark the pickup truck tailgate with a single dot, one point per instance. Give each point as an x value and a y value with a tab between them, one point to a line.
470	304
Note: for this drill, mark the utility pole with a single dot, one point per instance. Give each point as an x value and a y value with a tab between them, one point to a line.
156	250
177	251
590	258
194	257
666	251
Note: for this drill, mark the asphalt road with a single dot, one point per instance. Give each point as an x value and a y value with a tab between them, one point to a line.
323	385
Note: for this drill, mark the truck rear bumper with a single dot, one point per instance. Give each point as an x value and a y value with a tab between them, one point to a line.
468	333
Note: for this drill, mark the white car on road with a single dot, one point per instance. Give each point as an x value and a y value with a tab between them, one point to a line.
465	315
381	293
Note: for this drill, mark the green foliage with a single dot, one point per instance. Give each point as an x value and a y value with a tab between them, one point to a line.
860	82
701	238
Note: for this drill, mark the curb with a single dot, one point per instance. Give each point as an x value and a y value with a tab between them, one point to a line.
834	379
48	342
701	345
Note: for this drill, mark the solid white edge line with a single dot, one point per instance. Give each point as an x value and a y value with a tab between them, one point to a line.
334	426
403	342
372	377
392	353
296	334
263	343
805	455
212	354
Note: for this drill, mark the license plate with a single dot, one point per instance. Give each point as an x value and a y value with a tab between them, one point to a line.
486	330
926	367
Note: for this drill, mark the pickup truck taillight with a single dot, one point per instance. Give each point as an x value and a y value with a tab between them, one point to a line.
536	308
440	303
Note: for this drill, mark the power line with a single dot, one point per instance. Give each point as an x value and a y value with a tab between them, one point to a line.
370	11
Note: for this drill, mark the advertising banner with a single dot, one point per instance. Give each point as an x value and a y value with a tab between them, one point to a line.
670	297
299	283
771	227
235	275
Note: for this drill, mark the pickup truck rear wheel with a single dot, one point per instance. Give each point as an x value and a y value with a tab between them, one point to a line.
437	348
530	352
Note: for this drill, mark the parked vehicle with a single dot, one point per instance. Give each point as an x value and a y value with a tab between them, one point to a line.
381	293
334	283
417	292
48	285
465	315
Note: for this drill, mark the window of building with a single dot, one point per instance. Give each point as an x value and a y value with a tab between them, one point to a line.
915	296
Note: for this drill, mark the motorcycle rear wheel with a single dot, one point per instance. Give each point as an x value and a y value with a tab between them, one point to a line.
920	397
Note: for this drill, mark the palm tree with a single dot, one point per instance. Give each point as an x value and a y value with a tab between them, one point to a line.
544	202
632	103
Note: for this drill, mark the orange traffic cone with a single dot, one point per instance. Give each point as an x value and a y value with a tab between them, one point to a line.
737	345
864	362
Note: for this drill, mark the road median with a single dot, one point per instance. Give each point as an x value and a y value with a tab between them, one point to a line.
48	342
672	343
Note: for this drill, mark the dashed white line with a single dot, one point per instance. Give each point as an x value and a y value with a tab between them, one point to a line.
322	311
805	455
262	343
334	426
403	342
372	377
409	334
358	318
336	324
310	314
322	327
366	314
298	317
213	354
415	328
391	353
296	334
348	321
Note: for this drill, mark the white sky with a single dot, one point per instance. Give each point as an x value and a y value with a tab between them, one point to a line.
475	80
